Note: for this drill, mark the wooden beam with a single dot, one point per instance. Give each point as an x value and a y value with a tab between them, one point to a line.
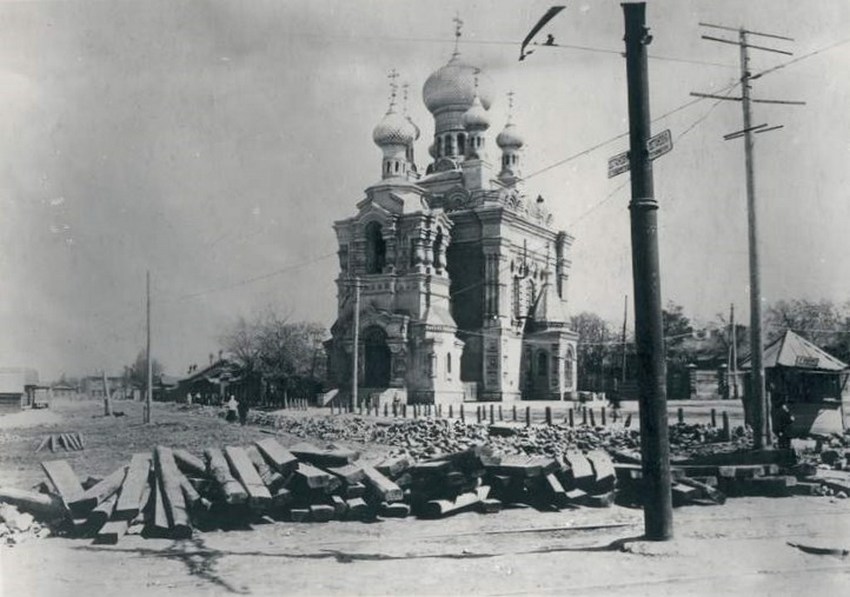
111	532
259	496
41	505
137	478
272	479
312	477
231	490
169	476
385	489
189	463
318	457
99	492
65	481
280	459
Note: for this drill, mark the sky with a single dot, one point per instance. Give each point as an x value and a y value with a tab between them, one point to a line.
215	143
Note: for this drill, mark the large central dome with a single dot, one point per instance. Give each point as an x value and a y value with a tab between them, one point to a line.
453	86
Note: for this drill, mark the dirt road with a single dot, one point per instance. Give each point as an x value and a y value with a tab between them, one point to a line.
737	549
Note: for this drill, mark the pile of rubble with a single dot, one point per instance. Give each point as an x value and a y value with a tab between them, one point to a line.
426	437
17	526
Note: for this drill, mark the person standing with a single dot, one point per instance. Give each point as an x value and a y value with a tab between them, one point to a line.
232	409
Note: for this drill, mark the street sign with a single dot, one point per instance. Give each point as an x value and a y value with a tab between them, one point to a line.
657	146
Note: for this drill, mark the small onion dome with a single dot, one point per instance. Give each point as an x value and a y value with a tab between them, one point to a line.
394	129
510	137
454	85
475	118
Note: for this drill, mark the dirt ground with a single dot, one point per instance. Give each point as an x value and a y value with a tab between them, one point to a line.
740	548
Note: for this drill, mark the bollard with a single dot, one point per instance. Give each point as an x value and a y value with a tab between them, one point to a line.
681	415
439	411
492	415
462	414
404	411
572	419
415	411
604	417
714	418
592	418
549	416
451	411
477	414
395	409
528	416
628	422
386	409
584	416
727	433
501	418
378	409
514	412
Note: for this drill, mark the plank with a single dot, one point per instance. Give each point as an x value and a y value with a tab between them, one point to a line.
321	512
395	510
80	440
350	473
271	478
193	499
259	496
99	492
580	468
111	532
556	491
98	517
393	467
439	508
299	514
65	481
339	505
42	443
354	490
357	508
230	489
385	489
189	463
311	476
280	459
430	468
137	478
337	457
169	476
42	505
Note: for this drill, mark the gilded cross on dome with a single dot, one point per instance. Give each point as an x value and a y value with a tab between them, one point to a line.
393	87
458	27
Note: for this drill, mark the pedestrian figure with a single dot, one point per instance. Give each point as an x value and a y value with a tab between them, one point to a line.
243	411
232	409
782	422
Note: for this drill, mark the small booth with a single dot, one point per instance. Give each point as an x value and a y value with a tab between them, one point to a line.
809	380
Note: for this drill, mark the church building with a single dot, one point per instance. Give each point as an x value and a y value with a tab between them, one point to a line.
460	276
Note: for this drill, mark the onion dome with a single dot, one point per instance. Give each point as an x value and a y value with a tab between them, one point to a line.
453	86
510	137
394	129
476	117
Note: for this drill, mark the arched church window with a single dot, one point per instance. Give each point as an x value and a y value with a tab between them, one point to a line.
438	249
396	166
461	143
542	363
448	363
376	249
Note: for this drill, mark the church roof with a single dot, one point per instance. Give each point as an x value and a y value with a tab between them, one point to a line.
454	85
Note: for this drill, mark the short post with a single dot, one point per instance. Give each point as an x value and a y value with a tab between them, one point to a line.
451	411
727	433
395	409
549	416
614	415
415	411
681	415
592	418
713	418
501	418
584	416
604	417
628	422
478	414
528	416
462	414
404	411
386	409
492	415
360	409
514	412
572	417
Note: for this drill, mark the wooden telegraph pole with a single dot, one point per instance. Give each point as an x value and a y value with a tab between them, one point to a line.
625	320
356	346
762	438
733	352
649	335
149	389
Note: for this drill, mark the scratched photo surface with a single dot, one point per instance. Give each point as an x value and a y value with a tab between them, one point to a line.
373	297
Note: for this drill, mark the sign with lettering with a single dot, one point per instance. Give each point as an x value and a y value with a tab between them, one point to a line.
657	146
805	361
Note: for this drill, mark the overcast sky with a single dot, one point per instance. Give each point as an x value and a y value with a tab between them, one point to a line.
214	143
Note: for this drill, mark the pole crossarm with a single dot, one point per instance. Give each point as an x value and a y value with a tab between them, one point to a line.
719	97
754	47
750	32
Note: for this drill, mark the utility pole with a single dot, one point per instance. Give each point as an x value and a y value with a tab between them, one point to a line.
107	406
733	360
149	389
757	395
356	347
625	319
649	336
